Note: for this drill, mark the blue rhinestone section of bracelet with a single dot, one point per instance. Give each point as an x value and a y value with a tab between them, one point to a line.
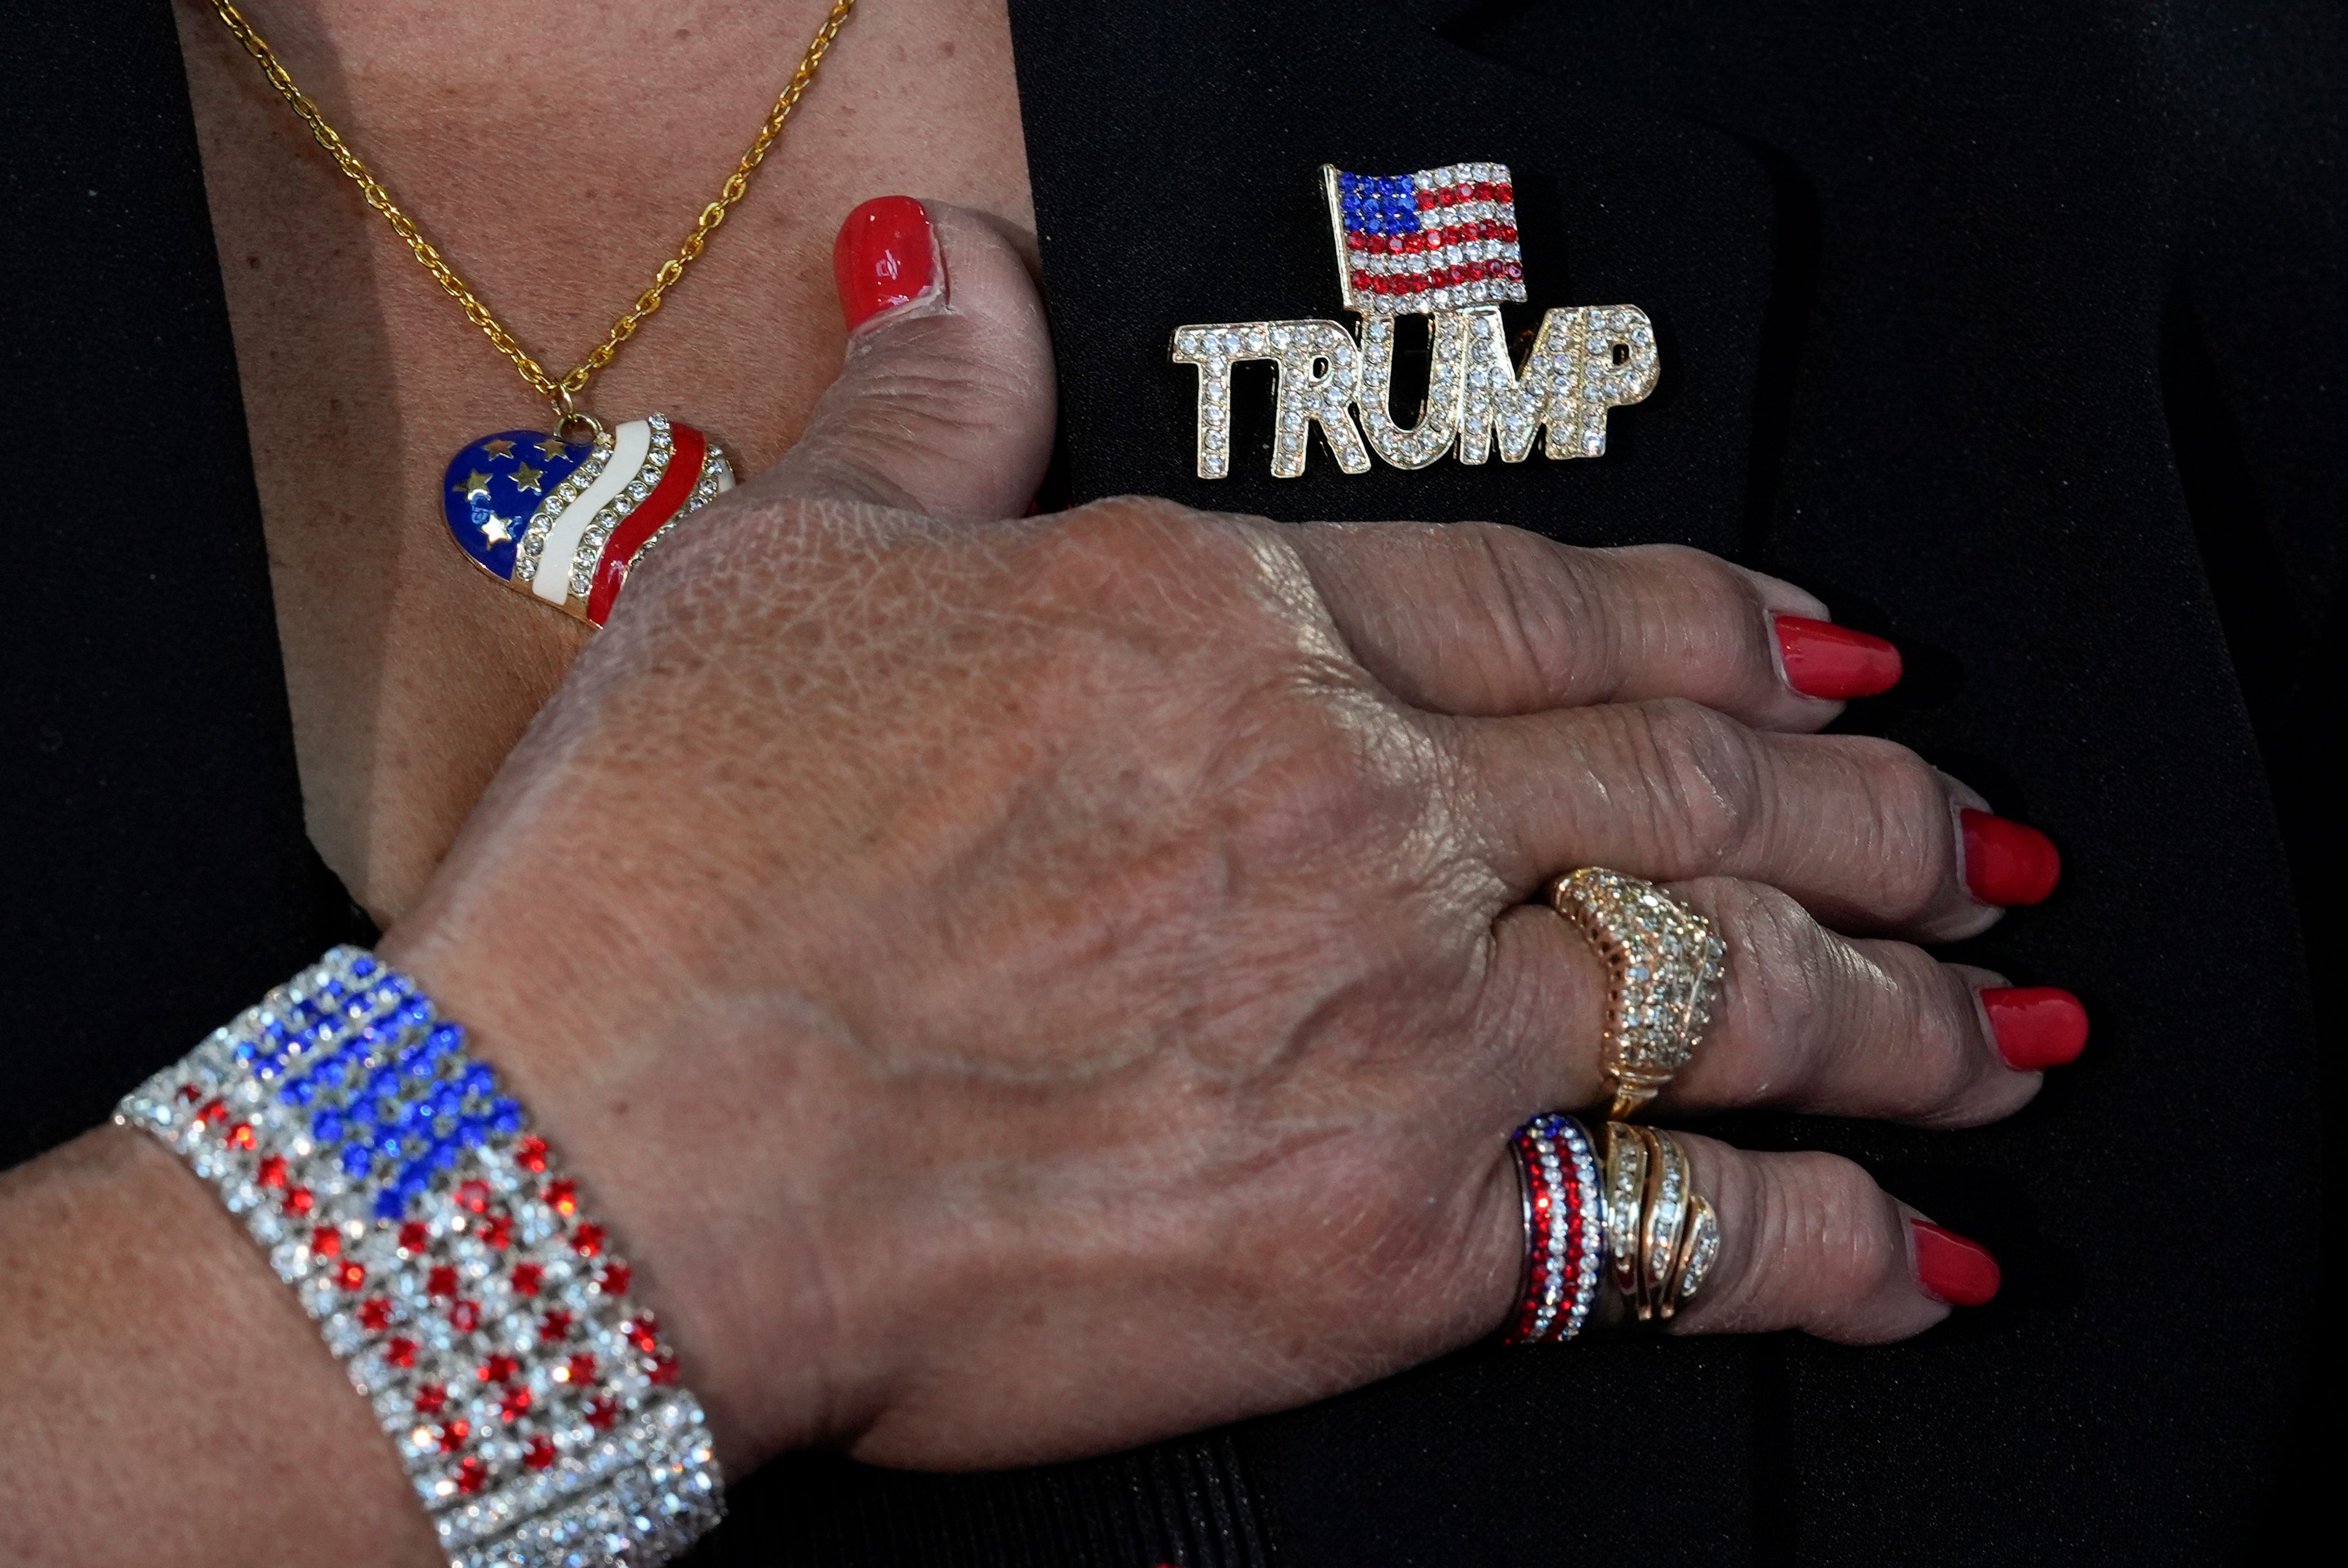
380	1099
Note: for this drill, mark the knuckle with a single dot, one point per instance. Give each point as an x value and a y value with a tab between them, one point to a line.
1777	982
1702	614
1764	923
1943	1022
1700	584
1318	780
914	386
1538	603
1142	560
1707	775
1903	825
1314	817
1117	529
1831	1220
1681	562
1129	511
928	379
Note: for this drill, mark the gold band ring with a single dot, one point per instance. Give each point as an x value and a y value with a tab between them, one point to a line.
1696	1256
1662	1233
1626	1195
1662	1223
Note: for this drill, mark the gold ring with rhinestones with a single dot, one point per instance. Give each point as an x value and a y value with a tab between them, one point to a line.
1661	1234
1701	1247
1624	1195
1663	964
1662	1222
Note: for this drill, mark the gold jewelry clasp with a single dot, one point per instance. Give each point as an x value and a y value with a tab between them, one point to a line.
567	414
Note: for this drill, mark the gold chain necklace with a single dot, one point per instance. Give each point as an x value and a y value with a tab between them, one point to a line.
564	530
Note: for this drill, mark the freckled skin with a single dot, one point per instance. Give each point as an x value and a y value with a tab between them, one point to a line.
506	131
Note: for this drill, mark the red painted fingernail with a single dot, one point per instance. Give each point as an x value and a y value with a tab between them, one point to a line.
1823	660
2007	863
1950	1269
885	257
2035	1026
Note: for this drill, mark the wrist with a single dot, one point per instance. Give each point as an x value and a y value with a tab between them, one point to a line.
168	1401
693	1179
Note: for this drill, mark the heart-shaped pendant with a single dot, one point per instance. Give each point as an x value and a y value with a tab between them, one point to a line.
562	521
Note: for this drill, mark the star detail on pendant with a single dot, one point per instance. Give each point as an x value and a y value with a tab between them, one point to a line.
477	484
552	446
498	449
525	478
497	530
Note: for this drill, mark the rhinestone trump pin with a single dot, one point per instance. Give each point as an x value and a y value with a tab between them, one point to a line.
1442	244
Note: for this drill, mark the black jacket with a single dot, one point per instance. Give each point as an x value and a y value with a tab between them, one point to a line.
2015	330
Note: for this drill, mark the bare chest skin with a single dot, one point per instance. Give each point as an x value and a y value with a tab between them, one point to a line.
556	154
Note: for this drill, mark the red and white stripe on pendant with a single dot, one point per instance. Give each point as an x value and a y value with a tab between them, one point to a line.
642	490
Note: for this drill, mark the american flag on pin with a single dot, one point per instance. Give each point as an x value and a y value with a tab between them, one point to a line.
1438	239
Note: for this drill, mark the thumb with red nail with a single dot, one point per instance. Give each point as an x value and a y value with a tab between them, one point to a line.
946	399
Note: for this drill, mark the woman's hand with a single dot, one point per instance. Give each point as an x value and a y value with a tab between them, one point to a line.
1026	987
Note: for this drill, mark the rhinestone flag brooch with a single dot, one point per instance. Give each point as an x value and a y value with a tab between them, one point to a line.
563	521
1440	244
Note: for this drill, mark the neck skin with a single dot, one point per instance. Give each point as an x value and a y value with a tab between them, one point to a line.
556	158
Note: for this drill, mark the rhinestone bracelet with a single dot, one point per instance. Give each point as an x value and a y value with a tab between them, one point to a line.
449	1266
